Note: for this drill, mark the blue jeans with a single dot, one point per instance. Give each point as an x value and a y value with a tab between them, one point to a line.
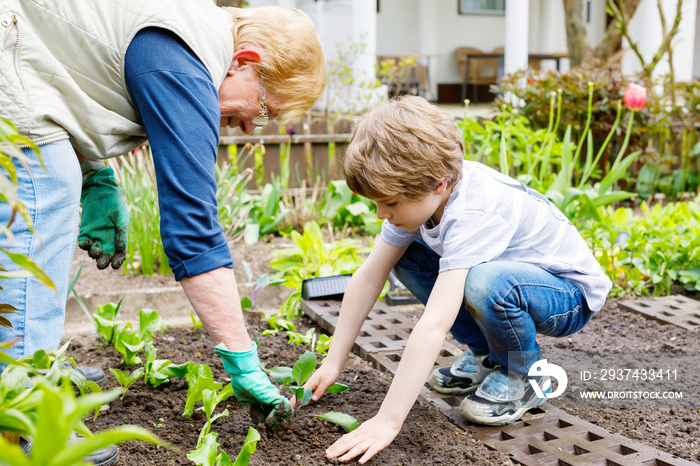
52	198
505	305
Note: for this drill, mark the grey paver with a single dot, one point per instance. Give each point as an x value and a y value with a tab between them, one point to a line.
678	310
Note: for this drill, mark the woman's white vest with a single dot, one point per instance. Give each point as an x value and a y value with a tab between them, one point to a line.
62	65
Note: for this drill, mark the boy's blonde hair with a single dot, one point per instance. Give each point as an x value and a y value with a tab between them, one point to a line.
404	148
293	65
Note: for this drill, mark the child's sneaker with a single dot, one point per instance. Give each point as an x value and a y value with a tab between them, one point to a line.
463	377
502	399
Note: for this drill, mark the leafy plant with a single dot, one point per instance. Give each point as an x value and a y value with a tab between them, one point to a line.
126	379
106	321
207	452
159	371
49	415
200	378
129	344
196	323
299	374
262	282
210	400
149	323
313	257
265	213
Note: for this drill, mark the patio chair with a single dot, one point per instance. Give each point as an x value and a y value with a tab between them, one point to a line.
481	70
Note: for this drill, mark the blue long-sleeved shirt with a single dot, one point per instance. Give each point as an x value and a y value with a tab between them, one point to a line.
179	106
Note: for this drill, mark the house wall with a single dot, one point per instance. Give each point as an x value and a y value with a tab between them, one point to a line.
436	27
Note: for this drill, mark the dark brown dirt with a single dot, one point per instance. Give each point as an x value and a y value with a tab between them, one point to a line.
613	339
427	436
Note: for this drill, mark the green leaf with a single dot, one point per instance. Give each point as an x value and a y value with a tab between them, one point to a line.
149	323
246	303
281	374
337	388
27	264
304	367
345	421
251	440
206	452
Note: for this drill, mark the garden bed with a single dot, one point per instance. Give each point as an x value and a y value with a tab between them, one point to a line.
427	436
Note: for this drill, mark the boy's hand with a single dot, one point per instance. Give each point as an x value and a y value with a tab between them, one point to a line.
371	437
319	381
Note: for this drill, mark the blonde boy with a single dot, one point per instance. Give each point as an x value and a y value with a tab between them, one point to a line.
493	261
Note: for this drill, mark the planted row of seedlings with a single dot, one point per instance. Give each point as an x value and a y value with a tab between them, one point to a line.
31	412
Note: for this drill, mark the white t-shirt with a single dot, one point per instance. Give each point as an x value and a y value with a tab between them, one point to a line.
492	217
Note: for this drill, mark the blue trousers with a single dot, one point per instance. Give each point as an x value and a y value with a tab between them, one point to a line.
52	199
505	305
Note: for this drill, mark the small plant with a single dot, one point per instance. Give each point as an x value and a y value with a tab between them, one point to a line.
129	345
263	281
210	400
299	374
200	378
126	379
149	323
106	321
207	452
196	323
313	257
158	371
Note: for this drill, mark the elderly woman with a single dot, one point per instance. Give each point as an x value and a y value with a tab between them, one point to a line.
96	78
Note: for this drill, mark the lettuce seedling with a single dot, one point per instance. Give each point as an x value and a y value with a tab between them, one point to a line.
149	323
196	323
106	321
207	452
159	371
299	374
129	345
210	400
126	379
200	378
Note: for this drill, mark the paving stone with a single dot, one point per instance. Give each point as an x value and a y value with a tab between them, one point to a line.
388	361
678	310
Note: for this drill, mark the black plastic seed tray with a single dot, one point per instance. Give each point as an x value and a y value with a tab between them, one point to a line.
332	288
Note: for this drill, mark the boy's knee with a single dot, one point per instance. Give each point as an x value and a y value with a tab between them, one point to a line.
485	284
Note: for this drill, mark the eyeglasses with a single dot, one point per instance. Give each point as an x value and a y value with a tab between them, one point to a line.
263	117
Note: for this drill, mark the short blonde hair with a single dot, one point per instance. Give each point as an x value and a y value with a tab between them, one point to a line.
293	64
404	148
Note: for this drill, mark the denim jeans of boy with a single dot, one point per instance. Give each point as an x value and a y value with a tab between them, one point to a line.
52	199
505	305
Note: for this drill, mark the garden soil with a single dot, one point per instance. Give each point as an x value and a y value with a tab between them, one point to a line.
427	437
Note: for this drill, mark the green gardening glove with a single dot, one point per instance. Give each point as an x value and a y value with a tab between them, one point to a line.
104	224
253	388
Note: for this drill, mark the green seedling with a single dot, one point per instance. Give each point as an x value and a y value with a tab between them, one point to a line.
278	324
207	452
129	345
210	400
263	281
196	323
200	378
106	321
149	323
126	379
299	374
50	415
159	371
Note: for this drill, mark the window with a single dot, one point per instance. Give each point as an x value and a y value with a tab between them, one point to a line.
482	7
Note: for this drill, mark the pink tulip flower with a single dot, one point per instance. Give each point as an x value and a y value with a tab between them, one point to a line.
635	97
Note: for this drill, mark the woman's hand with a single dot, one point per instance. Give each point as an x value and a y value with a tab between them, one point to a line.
371	437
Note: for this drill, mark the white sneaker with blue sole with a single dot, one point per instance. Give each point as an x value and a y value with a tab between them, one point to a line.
502	399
